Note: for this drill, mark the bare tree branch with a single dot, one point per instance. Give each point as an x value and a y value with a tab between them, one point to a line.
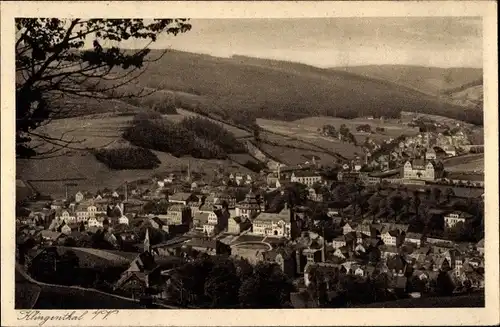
51	64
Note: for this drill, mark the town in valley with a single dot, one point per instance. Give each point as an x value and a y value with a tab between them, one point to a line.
243	182
396	227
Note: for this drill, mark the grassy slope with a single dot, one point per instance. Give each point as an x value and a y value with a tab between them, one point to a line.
307	130
283	90
471	163
430	80
99	130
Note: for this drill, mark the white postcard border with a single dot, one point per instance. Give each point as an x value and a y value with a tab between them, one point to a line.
285	317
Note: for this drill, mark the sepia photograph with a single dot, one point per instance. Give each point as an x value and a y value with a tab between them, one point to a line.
184	162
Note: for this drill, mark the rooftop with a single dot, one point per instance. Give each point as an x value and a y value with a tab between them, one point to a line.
181	196
282	215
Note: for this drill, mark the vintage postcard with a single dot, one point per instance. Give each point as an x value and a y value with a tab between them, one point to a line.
249	163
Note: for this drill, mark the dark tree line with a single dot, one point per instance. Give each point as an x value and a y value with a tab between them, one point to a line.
127	158
198	137
220	282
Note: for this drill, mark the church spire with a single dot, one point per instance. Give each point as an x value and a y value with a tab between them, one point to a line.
146	242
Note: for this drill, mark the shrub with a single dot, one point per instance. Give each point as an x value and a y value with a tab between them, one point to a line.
364	128
127	158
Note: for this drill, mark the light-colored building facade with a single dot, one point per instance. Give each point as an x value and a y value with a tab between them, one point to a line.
306	178
273	224
456	217
418	169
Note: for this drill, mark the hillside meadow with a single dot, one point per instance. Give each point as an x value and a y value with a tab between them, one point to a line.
99	131
306	130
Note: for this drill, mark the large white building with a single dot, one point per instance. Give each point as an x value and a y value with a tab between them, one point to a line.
451	219
304	177
273	224
419	169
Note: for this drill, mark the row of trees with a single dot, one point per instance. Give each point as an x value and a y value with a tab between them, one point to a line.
196	136
220	282
413	208
343	133
127	158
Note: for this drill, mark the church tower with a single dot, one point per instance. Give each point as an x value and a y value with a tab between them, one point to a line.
147	246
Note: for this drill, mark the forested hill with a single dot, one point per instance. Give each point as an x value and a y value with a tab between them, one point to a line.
241	88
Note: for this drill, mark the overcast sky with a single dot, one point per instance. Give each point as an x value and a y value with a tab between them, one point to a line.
328	42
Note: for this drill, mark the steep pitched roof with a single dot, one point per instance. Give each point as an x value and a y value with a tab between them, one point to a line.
176	207
275	217
50	234
181	196
415	236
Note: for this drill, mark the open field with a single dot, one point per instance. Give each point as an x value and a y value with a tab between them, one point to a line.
472	163
95	175
392	128
309	134
96	130
281	140
242	158
74	106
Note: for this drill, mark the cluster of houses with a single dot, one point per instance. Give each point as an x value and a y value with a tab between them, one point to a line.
368	250
210	219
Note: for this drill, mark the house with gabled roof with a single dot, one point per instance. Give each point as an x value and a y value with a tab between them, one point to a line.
397	265
347	228
51	237
250	207
342	252
157	223
338	242
364	229
390	238
237	224
142	273
420	254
